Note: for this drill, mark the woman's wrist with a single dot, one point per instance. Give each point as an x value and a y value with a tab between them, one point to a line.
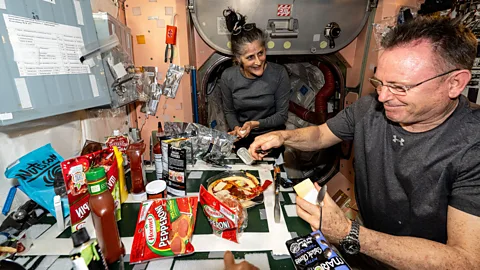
254	124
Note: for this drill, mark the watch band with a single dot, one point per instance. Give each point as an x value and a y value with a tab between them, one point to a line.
351	244
355	230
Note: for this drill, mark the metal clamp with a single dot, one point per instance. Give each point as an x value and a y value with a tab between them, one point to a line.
283	28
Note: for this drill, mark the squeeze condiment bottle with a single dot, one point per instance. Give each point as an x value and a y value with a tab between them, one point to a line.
137	171
86	253
157	152
102	209
121	175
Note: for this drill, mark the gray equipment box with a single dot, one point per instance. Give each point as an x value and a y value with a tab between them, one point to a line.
40	70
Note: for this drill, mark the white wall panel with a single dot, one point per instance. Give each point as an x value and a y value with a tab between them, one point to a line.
66	133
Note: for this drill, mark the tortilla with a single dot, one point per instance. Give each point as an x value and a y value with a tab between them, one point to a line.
239	187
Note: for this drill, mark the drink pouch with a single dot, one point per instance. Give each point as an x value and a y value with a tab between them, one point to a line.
313	252
36	172
226	215
74	170
164	229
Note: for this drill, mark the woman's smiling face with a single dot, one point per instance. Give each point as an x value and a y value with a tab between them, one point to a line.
252	60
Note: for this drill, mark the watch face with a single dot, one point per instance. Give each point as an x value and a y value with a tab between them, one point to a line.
351	246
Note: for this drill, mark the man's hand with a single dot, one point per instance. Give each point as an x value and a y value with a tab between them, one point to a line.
335	226
266	142
230	264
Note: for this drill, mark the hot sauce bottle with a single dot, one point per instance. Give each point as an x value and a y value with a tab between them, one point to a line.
102	209
137	171
157	152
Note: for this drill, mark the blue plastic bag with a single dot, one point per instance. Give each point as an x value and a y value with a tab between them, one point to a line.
36	172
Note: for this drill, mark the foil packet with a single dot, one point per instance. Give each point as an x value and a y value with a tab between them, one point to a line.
313	252
205	143
172	80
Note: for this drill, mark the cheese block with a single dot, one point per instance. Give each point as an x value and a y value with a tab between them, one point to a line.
307	191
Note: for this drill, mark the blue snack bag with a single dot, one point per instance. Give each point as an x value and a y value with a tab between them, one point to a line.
36	172
313	252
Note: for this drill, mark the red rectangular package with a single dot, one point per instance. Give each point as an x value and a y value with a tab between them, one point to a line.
74	170
164	229
226	216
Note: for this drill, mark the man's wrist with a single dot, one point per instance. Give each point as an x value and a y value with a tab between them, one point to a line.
347	229
351	242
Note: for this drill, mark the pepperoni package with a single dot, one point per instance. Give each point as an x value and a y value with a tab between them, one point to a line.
164	229
226	215
74	170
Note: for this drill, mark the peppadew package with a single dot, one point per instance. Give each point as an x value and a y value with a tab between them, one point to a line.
74	170
164	229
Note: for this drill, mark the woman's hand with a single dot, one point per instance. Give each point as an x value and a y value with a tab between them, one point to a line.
235	131
247	128
230	264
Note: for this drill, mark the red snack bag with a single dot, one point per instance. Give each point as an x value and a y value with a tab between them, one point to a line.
226	215
164	229
74	170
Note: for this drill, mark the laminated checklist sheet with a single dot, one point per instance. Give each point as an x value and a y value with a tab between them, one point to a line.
45	48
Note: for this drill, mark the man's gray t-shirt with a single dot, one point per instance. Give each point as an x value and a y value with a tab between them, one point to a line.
404	182
263	99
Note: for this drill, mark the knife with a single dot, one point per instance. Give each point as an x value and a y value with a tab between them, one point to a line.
276	209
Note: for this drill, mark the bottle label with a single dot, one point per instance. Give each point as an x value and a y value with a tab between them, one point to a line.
89	258
159	165
119	141
98	186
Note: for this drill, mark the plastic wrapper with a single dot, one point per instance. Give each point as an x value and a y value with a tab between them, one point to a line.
210	145
120	76
164	229
36	173
138	80
201	142
406	13
381	29
226	215
152	89
172	80
74	170
314	252
306	80
177	166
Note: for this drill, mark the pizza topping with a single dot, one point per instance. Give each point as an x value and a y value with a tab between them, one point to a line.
220	186
164	229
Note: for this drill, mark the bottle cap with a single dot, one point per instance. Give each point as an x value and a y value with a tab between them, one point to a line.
116	132
156	187
95	174
139	196
79	237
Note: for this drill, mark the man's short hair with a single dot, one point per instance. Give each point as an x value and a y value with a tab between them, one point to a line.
453	43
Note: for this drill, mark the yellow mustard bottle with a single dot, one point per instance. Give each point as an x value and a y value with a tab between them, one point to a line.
121	175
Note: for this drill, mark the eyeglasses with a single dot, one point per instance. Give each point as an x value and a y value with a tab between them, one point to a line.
399	89
247	27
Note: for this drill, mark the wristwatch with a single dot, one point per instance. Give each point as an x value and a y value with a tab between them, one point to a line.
350	244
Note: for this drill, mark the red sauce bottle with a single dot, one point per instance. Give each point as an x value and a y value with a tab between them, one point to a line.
137	172
102	209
